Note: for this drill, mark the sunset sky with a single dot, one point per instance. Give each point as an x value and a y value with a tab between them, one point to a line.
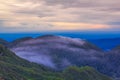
59	15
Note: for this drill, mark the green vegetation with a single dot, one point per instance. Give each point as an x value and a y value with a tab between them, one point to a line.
15	68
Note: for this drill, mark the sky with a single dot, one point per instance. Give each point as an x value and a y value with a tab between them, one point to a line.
59	15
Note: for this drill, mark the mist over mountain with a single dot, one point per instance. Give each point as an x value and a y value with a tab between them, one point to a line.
14	68
56	51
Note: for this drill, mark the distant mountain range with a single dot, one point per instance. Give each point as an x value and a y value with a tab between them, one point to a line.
104	41
106	44
58	53
14	68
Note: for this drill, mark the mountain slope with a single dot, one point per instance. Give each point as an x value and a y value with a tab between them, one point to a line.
3	42
82	73
15	68
113	62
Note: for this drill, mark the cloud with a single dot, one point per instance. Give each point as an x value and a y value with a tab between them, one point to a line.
46	15
78	26
114	23
103	4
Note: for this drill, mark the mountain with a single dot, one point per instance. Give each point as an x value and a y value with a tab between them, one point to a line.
14	68
58	52
18	41
3	42
113	59
106	44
